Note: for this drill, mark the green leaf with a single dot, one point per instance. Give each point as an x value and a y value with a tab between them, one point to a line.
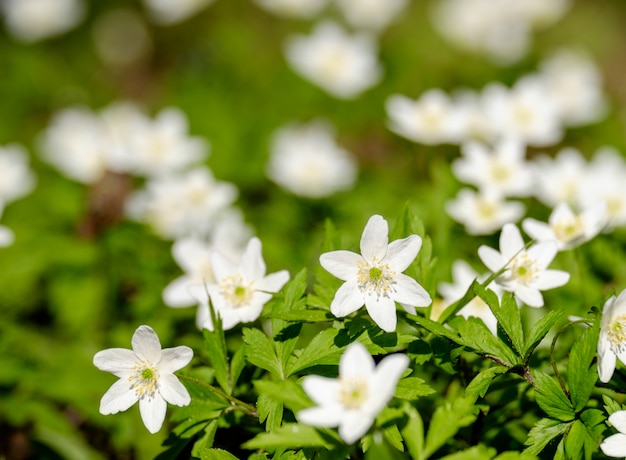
270	411
446	421
380	449
411	388
574	440
436	328
550	397
508	316
260	352
515	456
286	391
309	315
215	454
413	432
475	334
544	431
473	453
216	348
539	331
205	442
320	350
419	351
480	384
581	372
237	363
290	435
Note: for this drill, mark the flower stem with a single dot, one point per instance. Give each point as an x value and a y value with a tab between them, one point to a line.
237	404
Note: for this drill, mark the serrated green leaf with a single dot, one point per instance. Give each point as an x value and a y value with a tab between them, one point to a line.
447	419
480	384
320	350
436	328
419	351
544	431
574	440
411	388
508	316
550	397
215	454
475	335
216	348
539	331
515	456
237	363
287	391
308	316
413	432
260	351
205	442
581	372
290	435
479	452
270	411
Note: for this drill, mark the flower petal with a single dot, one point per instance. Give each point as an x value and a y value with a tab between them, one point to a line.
173	359
354	425
614	446
510	241
177	295
348	299
382	310
543	252
550	279
618	420
606	360
356	362
401	253
342	264
146	344
492	259
537	230
325	417
409	292
153	412
118	398
173	391
375	238
531	297
322	390
272	282
252	263
117	361
383	384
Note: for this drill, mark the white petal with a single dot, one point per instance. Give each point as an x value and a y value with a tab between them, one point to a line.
375	238
614	446
146	344
401	253
382	310
531	297
222	265
203	317
561	212
252	263
354	425
510	241
383	385
189	253
409	292
322	390
173	391
325	417
491	258
550	279
618	420
272	282
177	295
606	360
537	230
356	362
118	398
543	252
6	236
173	359
348	299
118	361
153	412
342	264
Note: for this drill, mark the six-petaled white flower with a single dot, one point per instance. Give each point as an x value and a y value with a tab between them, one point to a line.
146	374
615	445
375	277
356	397
525	270
612	341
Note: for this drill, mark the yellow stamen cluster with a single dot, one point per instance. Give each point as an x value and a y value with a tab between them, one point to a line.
522	268
353	392
500	172
567	230
144	380
617	334
236	290
374	277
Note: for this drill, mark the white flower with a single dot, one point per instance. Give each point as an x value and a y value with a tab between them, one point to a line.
462	276
33	20
612	341
615	445
567	228
16	178
240	290
370	14
146	374
341	64
526	272
560	179
431	119
168	12
293	8
375	278
501	170
354	399
483	213
307	161
6	235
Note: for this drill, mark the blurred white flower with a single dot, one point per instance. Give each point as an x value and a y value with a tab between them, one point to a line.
16	178
612	341
341	64
372	15
6	234
567	228
526	273
167	12
431	119
615	445
354	399
474	124
34	20
240	289
559	179
542	13
483	213
293	8
500	170
146	374
463	275
306	160
374	278
182	205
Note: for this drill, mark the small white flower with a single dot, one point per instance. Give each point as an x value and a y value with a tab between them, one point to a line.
615	445
167	12
341	64
6	235
375	278
354	399
567	228
526	273
463	276
612	341
307	161
431	119
372	15
146	374
293	8
483	213
34	20
560	179
16	178
240	290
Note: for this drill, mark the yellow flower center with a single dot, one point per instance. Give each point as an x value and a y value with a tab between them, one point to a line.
236	290
567	230
522	268
353	392
500	172
144	380
375	278
617	334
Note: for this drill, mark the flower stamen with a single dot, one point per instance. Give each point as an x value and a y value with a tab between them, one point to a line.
144	380
374	277
617	334
352	392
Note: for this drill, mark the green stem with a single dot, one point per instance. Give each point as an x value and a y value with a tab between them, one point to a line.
237	404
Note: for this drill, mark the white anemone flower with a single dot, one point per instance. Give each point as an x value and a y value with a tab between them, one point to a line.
167	12
483	213
372	15
146	374
567	228
354	399
343	65
612	341
525	270
16	178
34	20
615	445
240	290
374	278
560	179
